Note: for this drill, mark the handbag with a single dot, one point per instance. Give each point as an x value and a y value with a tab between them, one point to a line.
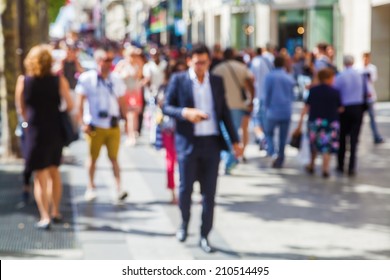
296	139
244	96
69	133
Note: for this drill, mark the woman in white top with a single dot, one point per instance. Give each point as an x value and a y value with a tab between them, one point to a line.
130	70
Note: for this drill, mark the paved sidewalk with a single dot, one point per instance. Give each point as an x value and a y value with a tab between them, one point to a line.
261	213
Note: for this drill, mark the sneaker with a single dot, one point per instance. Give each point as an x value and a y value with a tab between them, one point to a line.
228	169
263	144
277	164
122	196
90	194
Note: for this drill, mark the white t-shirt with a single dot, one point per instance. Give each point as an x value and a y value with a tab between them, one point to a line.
102	97
373	71
156	73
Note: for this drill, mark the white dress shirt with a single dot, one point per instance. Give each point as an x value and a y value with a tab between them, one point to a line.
203	100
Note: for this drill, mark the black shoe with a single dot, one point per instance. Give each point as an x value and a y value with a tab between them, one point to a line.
309	169
325	174
339	170
57	219
205	245
26	197
351	173
379	141
42	225
277	164
181	234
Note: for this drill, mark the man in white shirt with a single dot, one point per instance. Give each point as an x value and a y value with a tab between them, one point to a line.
103	92
370	72
260	67
196	100
154	77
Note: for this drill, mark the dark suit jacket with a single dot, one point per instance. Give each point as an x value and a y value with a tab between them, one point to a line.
179	95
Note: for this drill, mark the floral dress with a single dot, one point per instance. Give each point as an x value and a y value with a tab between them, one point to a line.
323	123
324	135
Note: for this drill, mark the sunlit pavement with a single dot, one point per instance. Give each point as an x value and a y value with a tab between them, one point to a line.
261	213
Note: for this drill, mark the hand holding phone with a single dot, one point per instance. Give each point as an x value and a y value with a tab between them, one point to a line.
194	115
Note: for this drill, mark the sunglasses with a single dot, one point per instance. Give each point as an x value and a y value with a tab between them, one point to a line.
107	60
200	62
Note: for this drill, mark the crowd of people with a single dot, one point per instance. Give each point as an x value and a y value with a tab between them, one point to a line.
197	104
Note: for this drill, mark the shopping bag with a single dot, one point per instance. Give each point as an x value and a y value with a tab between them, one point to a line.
296	139
304	154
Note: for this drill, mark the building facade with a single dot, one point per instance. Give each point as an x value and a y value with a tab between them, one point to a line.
351	26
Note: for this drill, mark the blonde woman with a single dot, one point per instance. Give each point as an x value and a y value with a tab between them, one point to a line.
38	96
130	70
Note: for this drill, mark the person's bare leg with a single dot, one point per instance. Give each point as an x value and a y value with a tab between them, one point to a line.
173	197
91	172
325	163
131	128
56	196
310	166
245	133
40	194
116	171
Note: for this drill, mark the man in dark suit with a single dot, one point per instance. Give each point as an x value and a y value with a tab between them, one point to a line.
196	99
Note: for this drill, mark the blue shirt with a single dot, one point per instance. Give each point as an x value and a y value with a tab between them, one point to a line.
203	100
278	94
350	84
321	63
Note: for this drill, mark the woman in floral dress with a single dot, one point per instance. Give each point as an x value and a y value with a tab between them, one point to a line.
323	106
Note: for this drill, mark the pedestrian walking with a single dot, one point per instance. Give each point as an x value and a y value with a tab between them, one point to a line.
196	99
236	79
278	98
350	84
154	72
167	126
370	73
130	70
38	95
104	94
260	67
323	106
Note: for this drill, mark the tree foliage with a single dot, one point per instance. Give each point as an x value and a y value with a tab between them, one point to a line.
25	24
54	8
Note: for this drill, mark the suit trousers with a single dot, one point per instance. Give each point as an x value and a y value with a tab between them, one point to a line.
350	124
200	165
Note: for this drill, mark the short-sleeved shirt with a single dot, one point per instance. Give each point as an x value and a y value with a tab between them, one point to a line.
324	102
233	88
156	73
102	97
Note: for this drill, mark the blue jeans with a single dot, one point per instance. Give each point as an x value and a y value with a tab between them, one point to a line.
259	114
283	125
374	128
227	156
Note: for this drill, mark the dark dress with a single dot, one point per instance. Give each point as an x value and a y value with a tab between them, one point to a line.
323	123
44	135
